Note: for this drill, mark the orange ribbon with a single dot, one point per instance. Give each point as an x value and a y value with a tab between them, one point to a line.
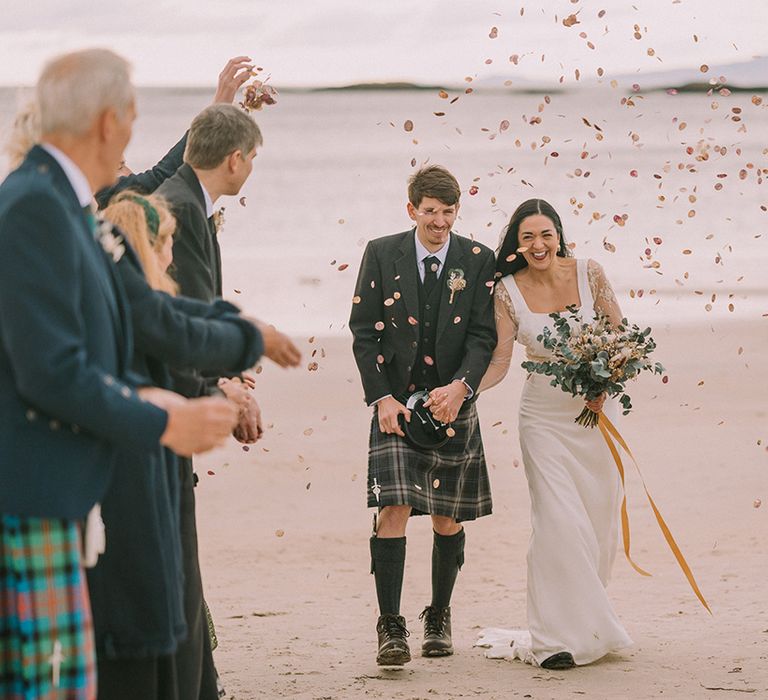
609	434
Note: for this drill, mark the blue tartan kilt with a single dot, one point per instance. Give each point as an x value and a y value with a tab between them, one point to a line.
44	612
451	480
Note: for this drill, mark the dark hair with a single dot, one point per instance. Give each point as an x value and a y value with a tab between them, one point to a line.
511	242
433	181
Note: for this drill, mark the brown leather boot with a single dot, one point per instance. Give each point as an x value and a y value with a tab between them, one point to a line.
393	647
437	631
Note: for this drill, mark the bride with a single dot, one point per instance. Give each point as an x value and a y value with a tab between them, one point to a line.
574	485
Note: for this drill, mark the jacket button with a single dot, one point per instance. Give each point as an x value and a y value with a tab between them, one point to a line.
31	415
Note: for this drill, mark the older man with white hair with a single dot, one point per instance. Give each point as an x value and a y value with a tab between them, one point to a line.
67	399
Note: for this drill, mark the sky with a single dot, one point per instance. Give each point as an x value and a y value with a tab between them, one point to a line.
307	43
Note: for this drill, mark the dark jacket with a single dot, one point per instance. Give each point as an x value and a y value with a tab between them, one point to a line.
148	181
136	588
387	292
196	256
67	403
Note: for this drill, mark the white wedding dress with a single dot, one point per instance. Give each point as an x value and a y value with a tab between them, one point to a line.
575	495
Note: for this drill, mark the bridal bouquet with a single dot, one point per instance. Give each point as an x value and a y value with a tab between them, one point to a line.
596	357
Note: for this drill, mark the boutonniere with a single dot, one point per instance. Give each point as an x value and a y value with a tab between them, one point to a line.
456	282
112	243
218	220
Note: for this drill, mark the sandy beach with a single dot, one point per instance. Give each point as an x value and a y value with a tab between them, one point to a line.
283	537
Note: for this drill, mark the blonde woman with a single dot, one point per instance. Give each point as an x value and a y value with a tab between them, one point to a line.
149	226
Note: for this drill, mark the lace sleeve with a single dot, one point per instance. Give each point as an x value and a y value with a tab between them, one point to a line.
506	329
602	292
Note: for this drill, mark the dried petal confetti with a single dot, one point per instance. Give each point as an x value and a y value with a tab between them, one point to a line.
408	125
379	325
258	94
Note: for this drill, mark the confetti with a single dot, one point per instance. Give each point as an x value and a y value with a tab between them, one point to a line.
408	125
356	300
343	267
476	249
450	432
242	201
428	361
757	503
570	20
436	484
258	94
457	319
279	533
379	325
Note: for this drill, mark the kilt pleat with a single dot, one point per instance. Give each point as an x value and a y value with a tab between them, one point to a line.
451	481
44	612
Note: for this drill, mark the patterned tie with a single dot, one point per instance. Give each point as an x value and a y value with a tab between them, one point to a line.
431	266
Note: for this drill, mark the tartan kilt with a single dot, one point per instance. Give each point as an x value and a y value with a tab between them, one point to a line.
451	480
44	600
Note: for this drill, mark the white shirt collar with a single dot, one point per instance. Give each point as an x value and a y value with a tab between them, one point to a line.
208	201
422	252
75	176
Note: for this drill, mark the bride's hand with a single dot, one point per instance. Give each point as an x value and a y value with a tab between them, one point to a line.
596	405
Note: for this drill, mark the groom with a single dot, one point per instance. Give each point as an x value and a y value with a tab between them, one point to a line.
422	319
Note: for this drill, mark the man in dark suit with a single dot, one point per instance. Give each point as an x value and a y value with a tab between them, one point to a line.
221	145
231	79
422	319
67	397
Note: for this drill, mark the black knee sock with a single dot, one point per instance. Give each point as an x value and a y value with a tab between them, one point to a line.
447	559
387	566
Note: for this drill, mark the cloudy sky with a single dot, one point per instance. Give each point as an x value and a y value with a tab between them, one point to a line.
333	42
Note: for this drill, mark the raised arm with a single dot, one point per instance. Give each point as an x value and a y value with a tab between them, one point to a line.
186	332
602	292
506	328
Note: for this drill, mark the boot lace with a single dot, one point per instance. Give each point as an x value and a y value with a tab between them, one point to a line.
434	620
393	626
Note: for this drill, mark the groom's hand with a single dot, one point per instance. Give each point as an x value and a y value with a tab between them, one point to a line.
446	401
389	408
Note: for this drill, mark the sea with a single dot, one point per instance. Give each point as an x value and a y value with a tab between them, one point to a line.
667	191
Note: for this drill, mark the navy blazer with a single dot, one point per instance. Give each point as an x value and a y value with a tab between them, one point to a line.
148	181
66	406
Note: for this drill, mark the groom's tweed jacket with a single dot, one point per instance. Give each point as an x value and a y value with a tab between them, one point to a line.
385	319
